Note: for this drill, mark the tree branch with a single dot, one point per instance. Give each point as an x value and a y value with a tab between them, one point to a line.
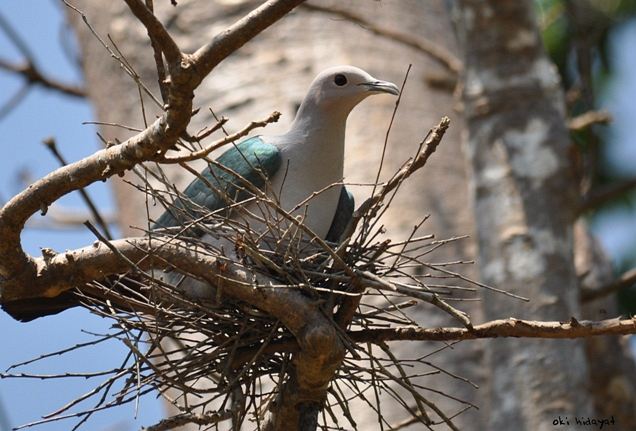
99	166
231	39
437	53
587	119
59	272
600	197
500	328
33	75
29	71
51	145
314	365
625	280
157	33
158	55
427	148
189	418
195	155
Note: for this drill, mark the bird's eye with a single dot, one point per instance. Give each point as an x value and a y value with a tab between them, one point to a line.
340	79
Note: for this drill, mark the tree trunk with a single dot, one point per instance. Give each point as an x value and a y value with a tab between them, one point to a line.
524	200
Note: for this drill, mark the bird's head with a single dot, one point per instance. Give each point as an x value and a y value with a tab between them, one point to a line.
343	87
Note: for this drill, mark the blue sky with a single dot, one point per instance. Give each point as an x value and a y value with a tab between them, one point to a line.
44	113
617	228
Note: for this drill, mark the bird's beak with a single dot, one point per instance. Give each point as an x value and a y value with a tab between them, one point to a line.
381	87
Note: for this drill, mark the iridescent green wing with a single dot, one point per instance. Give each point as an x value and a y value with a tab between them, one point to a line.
252	160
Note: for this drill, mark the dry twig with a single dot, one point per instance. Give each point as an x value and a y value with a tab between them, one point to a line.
443	57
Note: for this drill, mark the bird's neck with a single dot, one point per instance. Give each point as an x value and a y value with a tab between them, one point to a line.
320	129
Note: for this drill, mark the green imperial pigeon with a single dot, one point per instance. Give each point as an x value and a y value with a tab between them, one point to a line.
307	159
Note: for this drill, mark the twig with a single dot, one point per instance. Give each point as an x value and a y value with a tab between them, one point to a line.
600	197
195	155
626	279
220	122
189	418
429	145
437	53
17	40
105	123
428	148
29	71
157	33
388	129
33	75
158	56
588	119
14	101
52	146
424	296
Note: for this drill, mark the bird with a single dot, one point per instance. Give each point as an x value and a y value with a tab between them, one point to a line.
307	159
303	168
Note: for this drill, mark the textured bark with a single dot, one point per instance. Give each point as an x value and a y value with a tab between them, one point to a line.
524	203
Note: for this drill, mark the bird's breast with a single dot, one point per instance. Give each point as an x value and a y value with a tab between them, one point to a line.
309	190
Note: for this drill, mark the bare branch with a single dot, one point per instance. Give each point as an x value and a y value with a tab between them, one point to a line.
627	279
436	52
14	100
427	148
158	55
225	43
33	75
14	37
588	119
158	34
189	418
58	272
60	217
29	71
51	145
500	328
99	166
274	116
600	197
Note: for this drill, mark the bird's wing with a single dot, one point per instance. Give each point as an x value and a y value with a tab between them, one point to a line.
253	160
342	217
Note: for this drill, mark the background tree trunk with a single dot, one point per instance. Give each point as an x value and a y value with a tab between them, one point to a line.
524	198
